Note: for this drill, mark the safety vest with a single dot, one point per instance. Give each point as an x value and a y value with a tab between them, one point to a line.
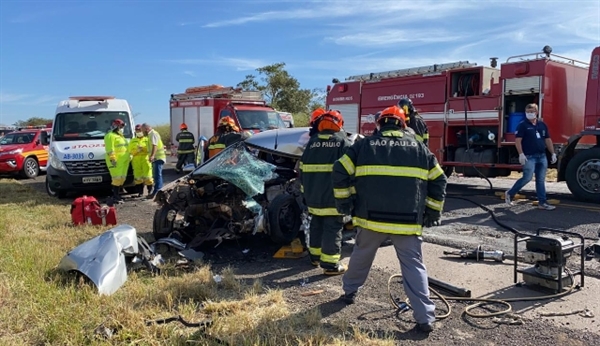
138	146
315	167
115	145
160	148
395	177
186	142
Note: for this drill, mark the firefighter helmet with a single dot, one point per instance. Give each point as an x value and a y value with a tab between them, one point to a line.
117	123
183	126
228	122
332	121
316	114
392	113
407	106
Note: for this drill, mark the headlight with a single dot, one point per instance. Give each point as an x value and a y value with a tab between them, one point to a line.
13	152
56	163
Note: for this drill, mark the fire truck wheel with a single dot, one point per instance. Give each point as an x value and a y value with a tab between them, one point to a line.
583	175
31	168
284	217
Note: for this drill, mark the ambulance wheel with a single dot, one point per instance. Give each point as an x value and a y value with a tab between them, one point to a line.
31	168
583	175
284	217
54	193
161	226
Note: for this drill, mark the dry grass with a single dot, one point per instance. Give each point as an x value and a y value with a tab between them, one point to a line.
39	305
551	175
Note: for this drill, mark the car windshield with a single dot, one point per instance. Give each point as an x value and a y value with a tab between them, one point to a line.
17	138
237	165
88	125
260	120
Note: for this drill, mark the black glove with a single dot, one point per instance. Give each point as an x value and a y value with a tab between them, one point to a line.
431	218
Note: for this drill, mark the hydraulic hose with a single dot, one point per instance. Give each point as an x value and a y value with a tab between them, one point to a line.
480	301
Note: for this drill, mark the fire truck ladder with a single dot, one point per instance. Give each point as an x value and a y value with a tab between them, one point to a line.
229	93
412	71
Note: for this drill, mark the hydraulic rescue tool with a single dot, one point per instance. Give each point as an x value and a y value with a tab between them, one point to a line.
549	258
478	254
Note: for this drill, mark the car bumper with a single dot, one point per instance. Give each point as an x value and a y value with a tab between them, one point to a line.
10	165
64	181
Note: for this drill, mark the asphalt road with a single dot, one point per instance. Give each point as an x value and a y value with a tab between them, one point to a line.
467	225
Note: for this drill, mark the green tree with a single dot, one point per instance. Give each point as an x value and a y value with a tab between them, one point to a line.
279	88
33	121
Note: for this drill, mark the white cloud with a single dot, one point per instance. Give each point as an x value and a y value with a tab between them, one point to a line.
8	97
190	73
386	37
238	63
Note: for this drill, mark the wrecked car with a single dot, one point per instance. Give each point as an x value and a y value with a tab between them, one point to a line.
250	187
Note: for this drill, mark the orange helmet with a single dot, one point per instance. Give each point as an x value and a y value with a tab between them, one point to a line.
316	114
228	121
332	121
183	126
393	112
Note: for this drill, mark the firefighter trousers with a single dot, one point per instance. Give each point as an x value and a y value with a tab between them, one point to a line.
142	170
118	173
414	273
184	159
326	240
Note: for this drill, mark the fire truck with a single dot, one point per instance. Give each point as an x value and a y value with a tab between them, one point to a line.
200	108
473	111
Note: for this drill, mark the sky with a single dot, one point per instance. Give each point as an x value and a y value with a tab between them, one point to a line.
144	51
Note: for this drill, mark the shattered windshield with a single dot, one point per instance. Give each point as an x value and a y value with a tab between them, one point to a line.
237	165
260	120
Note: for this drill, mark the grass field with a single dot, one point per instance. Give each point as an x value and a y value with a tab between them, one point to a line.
39	305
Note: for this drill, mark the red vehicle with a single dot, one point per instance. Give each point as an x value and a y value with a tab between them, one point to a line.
200	108
25	151
472	112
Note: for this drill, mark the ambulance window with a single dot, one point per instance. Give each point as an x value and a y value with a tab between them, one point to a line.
224	113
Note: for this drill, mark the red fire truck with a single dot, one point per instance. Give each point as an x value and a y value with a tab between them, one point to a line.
472	112
200	108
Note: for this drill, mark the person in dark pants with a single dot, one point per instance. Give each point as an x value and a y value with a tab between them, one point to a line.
393	186
185	147
324	147
532	140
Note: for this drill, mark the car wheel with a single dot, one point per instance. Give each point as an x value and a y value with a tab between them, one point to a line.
54	193
31	168
284	217
161	226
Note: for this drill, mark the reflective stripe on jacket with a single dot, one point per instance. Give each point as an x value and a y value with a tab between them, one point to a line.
115	145
315	167
395	177
418	125
218	142
185	140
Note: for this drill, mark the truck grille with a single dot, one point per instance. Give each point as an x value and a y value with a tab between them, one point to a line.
87	167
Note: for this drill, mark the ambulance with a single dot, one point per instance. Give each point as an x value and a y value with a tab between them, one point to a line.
76	156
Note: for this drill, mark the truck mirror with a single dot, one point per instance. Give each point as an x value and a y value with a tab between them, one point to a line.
44	138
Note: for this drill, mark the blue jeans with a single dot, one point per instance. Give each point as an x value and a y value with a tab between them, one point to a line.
537	164
157	166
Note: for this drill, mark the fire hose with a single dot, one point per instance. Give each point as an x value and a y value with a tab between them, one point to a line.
405	305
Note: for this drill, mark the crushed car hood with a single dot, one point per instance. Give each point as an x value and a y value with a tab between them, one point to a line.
102	259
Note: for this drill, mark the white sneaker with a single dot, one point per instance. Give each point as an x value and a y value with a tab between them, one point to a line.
507	198
546	206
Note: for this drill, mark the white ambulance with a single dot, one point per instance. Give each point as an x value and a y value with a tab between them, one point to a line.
76	155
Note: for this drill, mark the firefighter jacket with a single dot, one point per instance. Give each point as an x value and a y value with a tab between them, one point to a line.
220	141
315	167
117	157
391	180
416	122
186	142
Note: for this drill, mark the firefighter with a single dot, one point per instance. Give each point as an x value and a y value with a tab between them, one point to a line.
227	134
414	120
325	146
117	156
142	168
393	186
185	147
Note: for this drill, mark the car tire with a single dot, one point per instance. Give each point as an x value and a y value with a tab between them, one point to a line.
54	193
31	168
283	229
583	169
161	226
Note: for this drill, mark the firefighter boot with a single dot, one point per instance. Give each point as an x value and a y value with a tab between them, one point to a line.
116	190
337	270
149	187
140	190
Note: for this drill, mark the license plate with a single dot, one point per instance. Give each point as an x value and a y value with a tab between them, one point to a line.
88	180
